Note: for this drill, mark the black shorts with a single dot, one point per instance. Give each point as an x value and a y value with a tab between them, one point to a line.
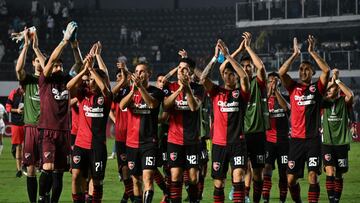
140	159
120	149
235	154
90	160
203	153
301	151
183	156
255	144
277	151
336	156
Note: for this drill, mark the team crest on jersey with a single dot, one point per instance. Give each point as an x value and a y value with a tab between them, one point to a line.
235	94
312	88
216	166
173	156
166	91
100	100
77	159
327	157
131	165
27	155
47	154
291	164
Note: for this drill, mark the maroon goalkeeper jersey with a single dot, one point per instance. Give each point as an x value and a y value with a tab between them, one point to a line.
54	102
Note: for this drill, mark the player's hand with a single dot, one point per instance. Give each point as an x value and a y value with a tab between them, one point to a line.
70	28
216	50
19	111
335	74
136	80
242	45
98	48
296	47
26	37
183	53
311	42
223	48
247	38
89	61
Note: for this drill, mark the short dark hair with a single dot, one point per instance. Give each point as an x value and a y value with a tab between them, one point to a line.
189	61
229	67
145	64
310	64
245	57
160	74
273	74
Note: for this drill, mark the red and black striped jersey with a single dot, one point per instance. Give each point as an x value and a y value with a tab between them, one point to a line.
142	120
279	121
305	101
184	124
229	110
93	116
121	116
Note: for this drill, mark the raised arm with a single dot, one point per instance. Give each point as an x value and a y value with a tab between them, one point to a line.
325	69
58	50
148	99
170	100
102	83
281	100
284	76
193	102
20	64
121	83
76	68
260	67
204	80
99	59
244	80
37	51
128	99
75	81
234	55
349	95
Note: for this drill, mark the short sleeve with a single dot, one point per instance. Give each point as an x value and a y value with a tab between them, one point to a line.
292	86
158	94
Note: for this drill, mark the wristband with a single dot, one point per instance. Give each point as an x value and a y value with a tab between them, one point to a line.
213	60
337	81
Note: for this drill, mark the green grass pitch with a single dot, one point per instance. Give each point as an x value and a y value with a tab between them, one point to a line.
13	189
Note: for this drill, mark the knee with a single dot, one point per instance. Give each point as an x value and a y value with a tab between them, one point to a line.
291	179
257	174
219	183
312	177
48	166
238	175
329	170
176	174
267	170
193	178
